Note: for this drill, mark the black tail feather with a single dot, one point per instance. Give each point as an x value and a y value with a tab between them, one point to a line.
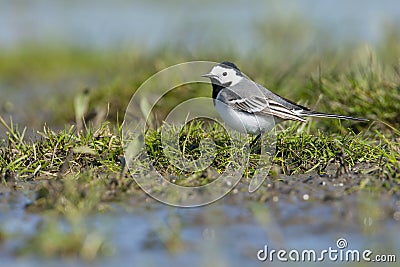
327	115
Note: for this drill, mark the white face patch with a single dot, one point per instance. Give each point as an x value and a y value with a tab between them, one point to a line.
226	75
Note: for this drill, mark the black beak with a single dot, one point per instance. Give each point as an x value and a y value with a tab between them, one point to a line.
209	75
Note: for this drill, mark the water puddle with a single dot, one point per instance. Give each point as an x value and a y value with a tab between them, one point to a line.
229	232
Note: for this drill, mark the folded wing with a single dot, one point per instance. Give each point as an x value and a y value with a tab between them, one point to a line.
258	105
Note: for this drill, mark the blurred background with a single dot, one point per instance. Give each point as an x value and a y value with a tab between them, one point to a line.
61	60
52	51
234	24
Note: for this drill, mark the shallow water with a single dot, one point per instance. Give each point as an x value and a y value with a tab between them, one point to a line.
228	232
151	23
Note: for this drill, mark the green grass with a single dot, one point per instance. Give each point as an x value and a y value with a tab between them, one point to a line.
72	152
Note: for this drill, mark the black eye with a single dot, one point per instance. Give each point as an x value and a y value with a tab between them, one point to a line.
224	73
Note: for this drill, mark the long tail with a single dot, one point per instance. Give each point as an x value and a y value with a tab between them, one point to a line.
310	113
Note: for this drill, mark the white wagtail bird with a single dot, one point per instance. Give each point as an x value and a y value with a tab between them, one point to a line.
251	108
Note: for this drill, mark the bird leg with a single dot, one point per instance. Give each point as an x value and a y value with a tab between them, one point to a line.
254	142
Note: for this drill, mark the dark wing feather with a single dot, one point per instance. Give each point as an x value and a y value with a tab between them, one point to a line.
259	105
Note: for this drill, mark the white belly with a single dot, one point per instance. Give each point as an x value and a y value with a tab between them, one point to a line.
244	122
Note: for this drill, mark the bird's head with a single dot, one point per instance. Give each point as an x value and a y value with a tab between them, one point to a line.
225	74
